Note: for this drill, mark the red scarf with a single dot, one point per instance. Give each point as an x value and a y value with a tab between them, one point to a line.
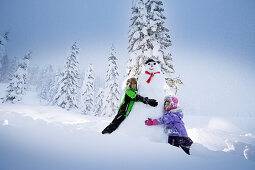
151	75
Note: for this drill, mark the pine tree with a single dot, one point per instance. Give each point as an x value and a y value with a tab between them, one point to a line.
149	38
87	98
3	42
4	69
55	85
18	84
99	102
8	67
159	38
138	36
111	91
159	41
68	91
5	63
45	83
12	66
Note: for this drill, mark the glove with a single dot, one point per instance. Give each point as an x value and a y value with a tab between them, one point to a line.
151	122
152	102
146	100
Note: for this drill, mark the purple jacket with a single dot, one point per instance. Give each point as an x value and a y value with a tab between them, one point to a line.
172	120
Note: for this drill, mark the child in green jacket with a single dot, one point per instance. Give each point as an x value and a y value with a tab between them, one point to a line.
127	104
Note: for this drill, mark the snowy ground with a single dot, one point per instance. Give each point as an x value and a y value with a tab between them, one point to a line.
33	136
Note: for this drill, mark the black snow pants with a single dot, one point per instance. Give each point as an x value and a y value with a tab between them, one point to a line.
114	124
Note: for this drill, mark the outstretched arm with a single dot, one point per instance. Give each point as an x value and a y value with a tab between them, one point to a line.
159	121
170	118
136	97
146	100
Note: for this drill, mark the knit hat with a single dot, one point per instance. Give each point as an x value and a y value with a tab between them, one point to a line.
173	102
131	81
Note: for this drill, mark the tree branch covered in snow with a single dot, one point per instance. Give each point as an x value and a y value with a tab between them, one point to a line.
18	83
149	38
87	97
111	91
68	91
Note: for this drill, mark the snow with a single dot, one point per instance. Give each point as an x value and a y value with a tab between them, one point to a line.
5	123
218	100
37	136
43	137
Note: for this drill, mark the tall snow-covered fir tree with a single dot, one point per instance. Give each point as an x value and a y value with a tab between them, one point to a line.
137	39
56	83
99	102
111	91
68	91
159	39
150	39
18	83
88	90
45	83
7	66
3	42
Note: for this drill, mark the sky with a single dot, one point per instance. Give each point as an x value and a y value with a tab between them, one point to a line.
48	28
210	38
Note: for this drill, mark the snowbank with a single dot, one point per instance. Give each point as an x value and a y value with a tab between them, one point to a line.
34	136
41	137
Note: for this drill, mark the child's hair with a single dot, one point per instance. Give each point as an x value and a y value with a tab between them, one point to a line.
173	102
131	81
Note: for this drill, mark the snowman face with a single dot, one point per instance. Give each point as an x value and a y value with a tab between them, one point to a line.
152	67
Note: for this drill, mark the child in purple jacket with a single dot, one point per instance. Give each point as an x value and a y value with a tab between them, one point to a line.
174	126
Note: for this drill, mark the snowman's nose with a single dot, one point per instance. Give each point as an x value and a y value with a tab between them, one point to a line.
151	65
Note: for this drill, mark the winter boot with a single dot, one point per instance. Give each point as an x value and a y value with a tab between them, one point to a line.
185	149
185	143
114	124
108	129
173	140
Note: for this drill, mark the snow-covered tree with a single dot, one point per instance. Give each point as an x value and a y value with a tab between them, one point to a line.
159	38
99	102
149	38
18	84
68	90
137	39
159	41
56	83
3	42
7	65
4	69
111	91
13	65
45	83
87	98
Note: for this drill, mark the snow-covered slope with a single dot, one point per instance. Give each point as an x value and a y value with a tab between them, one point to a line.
45	137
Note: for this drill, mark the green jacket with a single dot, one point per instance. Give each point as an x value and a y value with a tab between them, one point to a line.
128	101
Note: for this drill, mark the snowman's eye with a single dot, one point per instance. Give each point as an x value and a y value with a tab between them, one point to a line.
154	63
148	64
